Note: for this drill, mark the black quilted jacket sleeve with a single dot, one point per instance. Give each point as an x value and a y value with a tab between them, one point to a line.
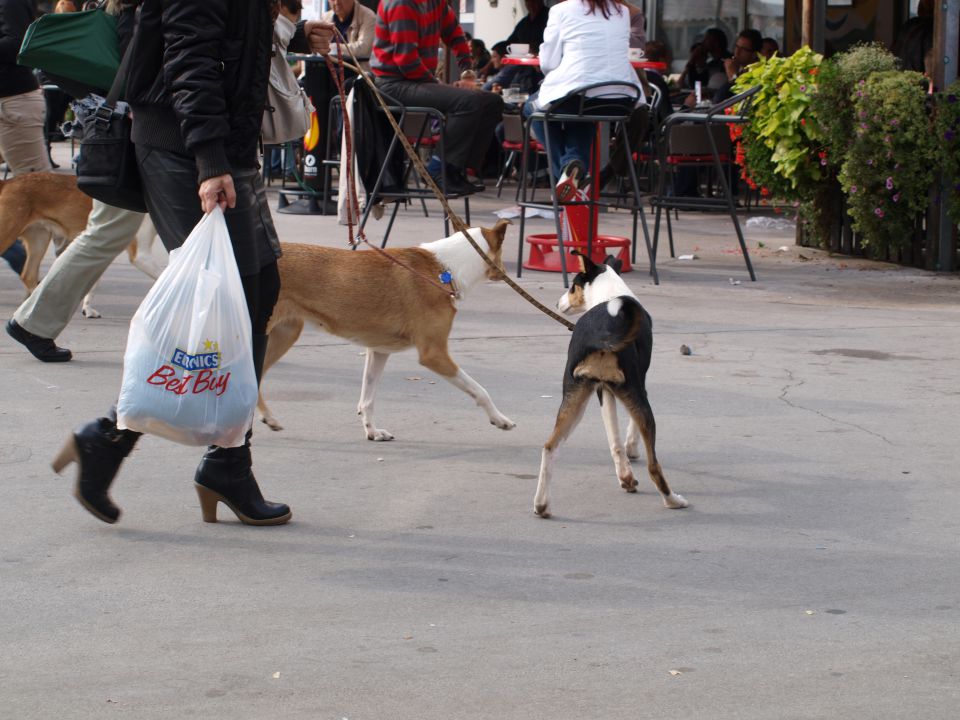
193	34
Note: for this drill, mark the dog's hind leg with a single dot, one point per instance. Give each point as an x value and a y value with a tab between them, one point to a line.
568	417
283	335
36	239
639	408
140	249
608	408
632	443
438	359
372	371
87	309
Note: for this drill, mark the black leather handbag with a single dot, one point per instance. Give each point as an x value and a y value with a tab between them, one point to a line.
107	164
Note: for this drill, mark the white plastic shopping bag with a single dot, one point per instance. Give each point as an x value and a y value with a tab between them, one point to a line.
188	369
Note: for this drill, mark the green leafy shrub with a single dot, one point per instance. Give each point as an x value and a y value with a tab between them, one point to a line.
888	167
779	143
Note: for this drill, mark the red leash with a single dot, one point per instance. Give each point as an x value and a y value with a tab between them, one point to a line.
353	203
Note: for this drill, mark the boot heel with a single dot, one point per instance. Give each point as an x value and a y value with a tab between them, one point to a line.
208	503
68	454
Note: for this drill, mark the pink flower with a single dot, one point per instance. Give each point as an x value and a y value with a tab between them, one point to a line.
896	197
889	183
878	212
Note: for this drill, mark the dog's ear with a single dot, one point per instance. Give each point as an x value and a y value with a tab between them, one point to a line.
587	265
614	263
496	235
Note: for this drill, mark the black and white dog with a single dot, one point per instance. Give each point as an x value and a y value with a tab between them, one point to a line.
609	353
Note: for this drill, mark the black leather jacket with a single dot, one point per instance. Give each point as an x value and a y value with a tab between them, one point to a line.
198	80
15	16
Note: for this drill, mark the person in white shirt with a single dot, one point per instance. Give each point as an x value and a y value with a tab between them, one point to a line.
585	42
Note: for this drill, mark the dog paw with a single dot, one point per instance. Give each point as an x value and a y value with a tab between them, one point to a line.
674	501
379	435
633	451
271	423
503	422
629	484
90	313
542	511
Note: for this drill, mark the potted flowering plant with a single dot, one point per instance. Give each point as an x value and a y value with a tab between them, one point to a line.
888	167
777	149
778	144
833	106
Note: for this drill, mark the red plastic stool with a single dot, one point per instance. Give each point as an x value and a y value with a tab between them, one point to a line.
545	256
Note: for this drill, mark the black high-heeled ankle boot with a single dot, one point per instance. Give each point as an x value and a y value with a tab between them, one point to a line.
226	475
99	449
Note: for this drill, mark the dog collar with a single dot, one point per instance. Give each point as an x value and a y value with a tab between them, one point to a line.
446	277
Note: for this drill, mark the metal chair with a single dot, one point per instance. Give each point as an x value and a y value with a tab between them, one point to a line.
613	103
424	128
513	145
695	139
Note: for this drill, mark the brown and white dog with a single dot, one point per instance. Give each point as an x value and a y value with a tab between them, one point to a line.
370	300
37	207
43	206
609	353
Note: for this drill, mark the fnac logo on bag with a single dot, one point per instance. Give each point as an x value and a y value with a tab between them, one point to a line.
200	361
206	361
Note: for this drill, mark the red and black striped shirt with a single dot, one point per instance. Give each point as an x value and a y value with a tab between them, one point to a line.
408	38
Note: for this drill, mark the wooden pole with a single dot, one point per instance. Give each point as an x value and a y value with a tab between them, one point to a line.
806	23
941	235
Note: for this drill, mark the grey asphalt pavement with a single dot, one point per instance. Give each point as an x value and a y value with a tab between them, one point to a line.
813	430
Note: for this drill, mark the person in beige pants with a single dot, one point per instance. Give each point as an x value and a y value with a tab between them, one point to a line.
44	315
22	132
22	108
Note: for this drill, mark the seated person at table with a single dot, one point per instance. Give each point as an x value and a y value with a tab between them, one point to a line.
530	32
638	25
480	54
746	51
585	42
706	64
530	28
404	60
528	79
489	71
357	23
769	48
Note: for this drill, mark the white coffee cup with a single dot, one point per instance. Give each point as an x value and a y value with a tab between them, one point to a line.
518	49
635	54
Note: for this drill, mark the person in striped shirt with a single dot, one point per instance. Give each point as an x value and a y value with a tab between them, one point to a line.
405	56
